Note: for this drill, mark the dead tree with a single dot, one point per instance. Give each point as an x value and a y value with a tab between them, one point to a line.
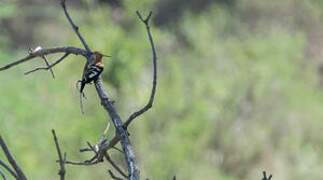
101	148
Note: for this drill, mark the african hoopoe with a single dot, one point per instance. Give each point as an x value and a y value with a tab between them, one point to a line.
93	70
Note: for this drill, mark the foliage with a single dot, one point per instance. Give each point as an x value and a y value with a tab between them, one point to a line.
238	91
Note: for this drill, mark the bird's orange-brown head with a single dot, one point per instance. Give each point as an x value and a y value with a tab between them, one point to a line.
98	58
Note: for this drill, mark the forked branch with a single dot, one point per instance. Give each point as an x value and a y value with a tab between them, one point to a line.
44	58
49	67
133	169
122	135
42	52
153	90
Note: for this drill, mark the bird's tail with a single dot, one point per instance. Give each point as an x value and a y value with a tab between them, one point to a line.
81	94
81	103
82	87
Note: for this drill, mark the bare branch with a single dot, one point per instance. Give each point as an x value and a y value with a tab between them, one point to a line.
42	52
75	28
43	57
105	132
101	141
117	149
98	146
19	172
108	158
86	163
121	132
133	169
125	142
153	90
2	175
49	66
113	176
106	146
62	161
101	147
8	169
146	21
96	154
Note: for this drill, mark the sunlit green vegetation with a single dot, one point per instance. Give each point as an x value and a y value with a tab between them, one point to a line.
239	87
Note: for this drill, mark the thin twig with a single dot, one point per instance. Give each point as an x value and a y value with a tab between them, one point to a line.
42	52
19	172
2	175
8	169
96	153
103	147
49	66
86	163
153	90
114	165
75	28
98	146
113	176
43	57
106	146
61	172
105	132
117	149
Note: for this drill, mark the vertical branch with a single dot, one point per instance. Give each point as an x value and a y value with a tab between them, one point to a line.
133	169
19	172
153	90
61	160
75	28
121	132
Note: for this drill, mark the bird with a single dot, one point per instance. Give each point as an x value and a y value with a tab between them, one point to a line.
93	70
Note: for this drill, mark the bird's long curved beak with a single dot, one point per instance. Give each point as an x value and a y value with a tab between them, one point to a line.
106	55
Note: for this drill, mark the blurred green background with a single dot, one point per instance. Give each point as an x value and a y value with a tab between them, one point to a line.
239	87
